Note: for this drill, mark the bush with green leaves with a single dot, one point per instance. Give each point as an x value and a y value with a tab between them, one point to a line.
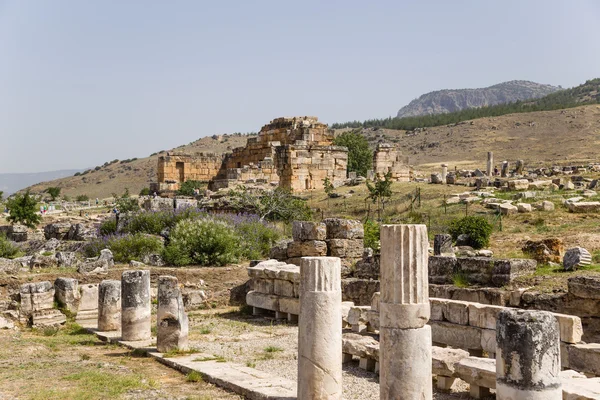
187	188
273	205
82	197
256	236
23	210
125	247
8	249
372	232
54	192
205	241
477	228
145	192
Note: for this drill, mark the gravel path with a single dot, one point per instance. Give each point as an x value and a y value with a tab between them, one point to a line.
272	346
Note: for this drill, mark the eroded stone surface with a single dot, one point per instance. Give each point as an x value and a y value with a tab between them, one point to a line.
109	306
171	319
135	305
320	329
527	356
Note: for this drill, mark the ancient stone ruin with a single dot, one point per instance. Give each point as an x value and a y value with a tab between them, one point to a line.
294	153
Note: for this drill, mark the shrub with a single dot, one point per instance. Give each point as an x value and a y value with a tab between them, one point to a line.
145	192
372	231
187	188
54	192
154	222
8	249
360	156
204	241
478	229
108	227
125	247
256	237
82	197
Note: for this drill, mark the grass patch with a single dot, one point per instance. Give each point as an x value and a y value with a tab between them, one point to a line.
272	349
205	330
194	376
460	280
220	359
178	353
250	364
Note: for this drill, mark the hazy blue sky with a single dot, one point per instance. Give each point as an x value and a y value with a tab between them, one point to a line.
84	82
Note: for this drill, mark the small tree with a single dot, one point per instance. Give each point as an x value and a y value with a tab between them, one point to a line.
477	228
54	192
145	192
23	210
380	191
125	203
328	187
360	156
1	195
187	188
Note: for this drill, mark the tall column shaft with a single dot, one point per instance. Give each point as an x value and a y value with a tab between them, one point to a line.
405	339
490	163
171	319
135	305
320	329
444	172
527	356
109	306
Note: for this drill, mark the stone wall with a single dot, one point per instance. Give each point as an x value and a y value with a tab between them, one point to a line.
178	167
294	153
388	158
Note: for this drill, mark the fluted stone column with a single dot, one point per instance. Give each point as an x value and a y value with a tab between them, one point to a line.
135	305
109	306
527	356
320	329
444	172
171	319
490	163
405	339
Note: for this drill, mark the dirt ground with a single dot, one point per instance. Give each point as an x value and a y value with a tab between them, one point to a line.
71	364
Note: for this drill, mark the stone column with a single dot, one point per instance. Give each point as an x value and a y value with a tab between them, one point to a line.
504	172
320	329
490	163
520	165
135	305
109	306
405	339
444	172
171	319
527	356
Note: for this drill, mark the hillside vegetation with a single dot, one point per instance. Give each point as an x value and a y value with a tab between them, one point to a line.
587	93
135	174
452	100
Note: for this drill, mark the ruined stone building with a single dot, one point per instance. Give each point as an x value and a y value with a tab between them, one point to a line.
387	158
293	153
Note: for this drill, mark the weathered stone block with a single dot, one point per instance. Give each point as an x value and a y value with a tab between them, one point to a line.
345	248
460	336
283	288
264	285
338	228
303	230
586	287
442	268
262	300
311	248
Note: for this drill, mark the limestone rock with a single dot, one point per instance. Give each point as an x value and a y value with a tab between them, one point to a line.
67	293
40	261
585	287
153	259
544	251
576	257
303	230
171	319
99	265
444	360
57	230
9	266
66	259
109	305
507	209
338	228
309	248
136	264
442	245
584	207
279	251
524	207
345	248
518	184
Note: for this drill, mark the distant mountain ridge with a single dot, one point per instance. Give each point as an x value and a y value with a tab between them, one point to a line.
452	100
13	182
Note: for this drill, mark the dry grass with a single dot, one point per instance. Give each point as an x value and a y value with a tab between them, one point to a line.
72	364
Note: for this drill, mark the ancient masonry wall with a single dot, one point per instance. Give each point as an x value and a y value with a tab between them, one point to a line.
387	158
294	153
179	168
